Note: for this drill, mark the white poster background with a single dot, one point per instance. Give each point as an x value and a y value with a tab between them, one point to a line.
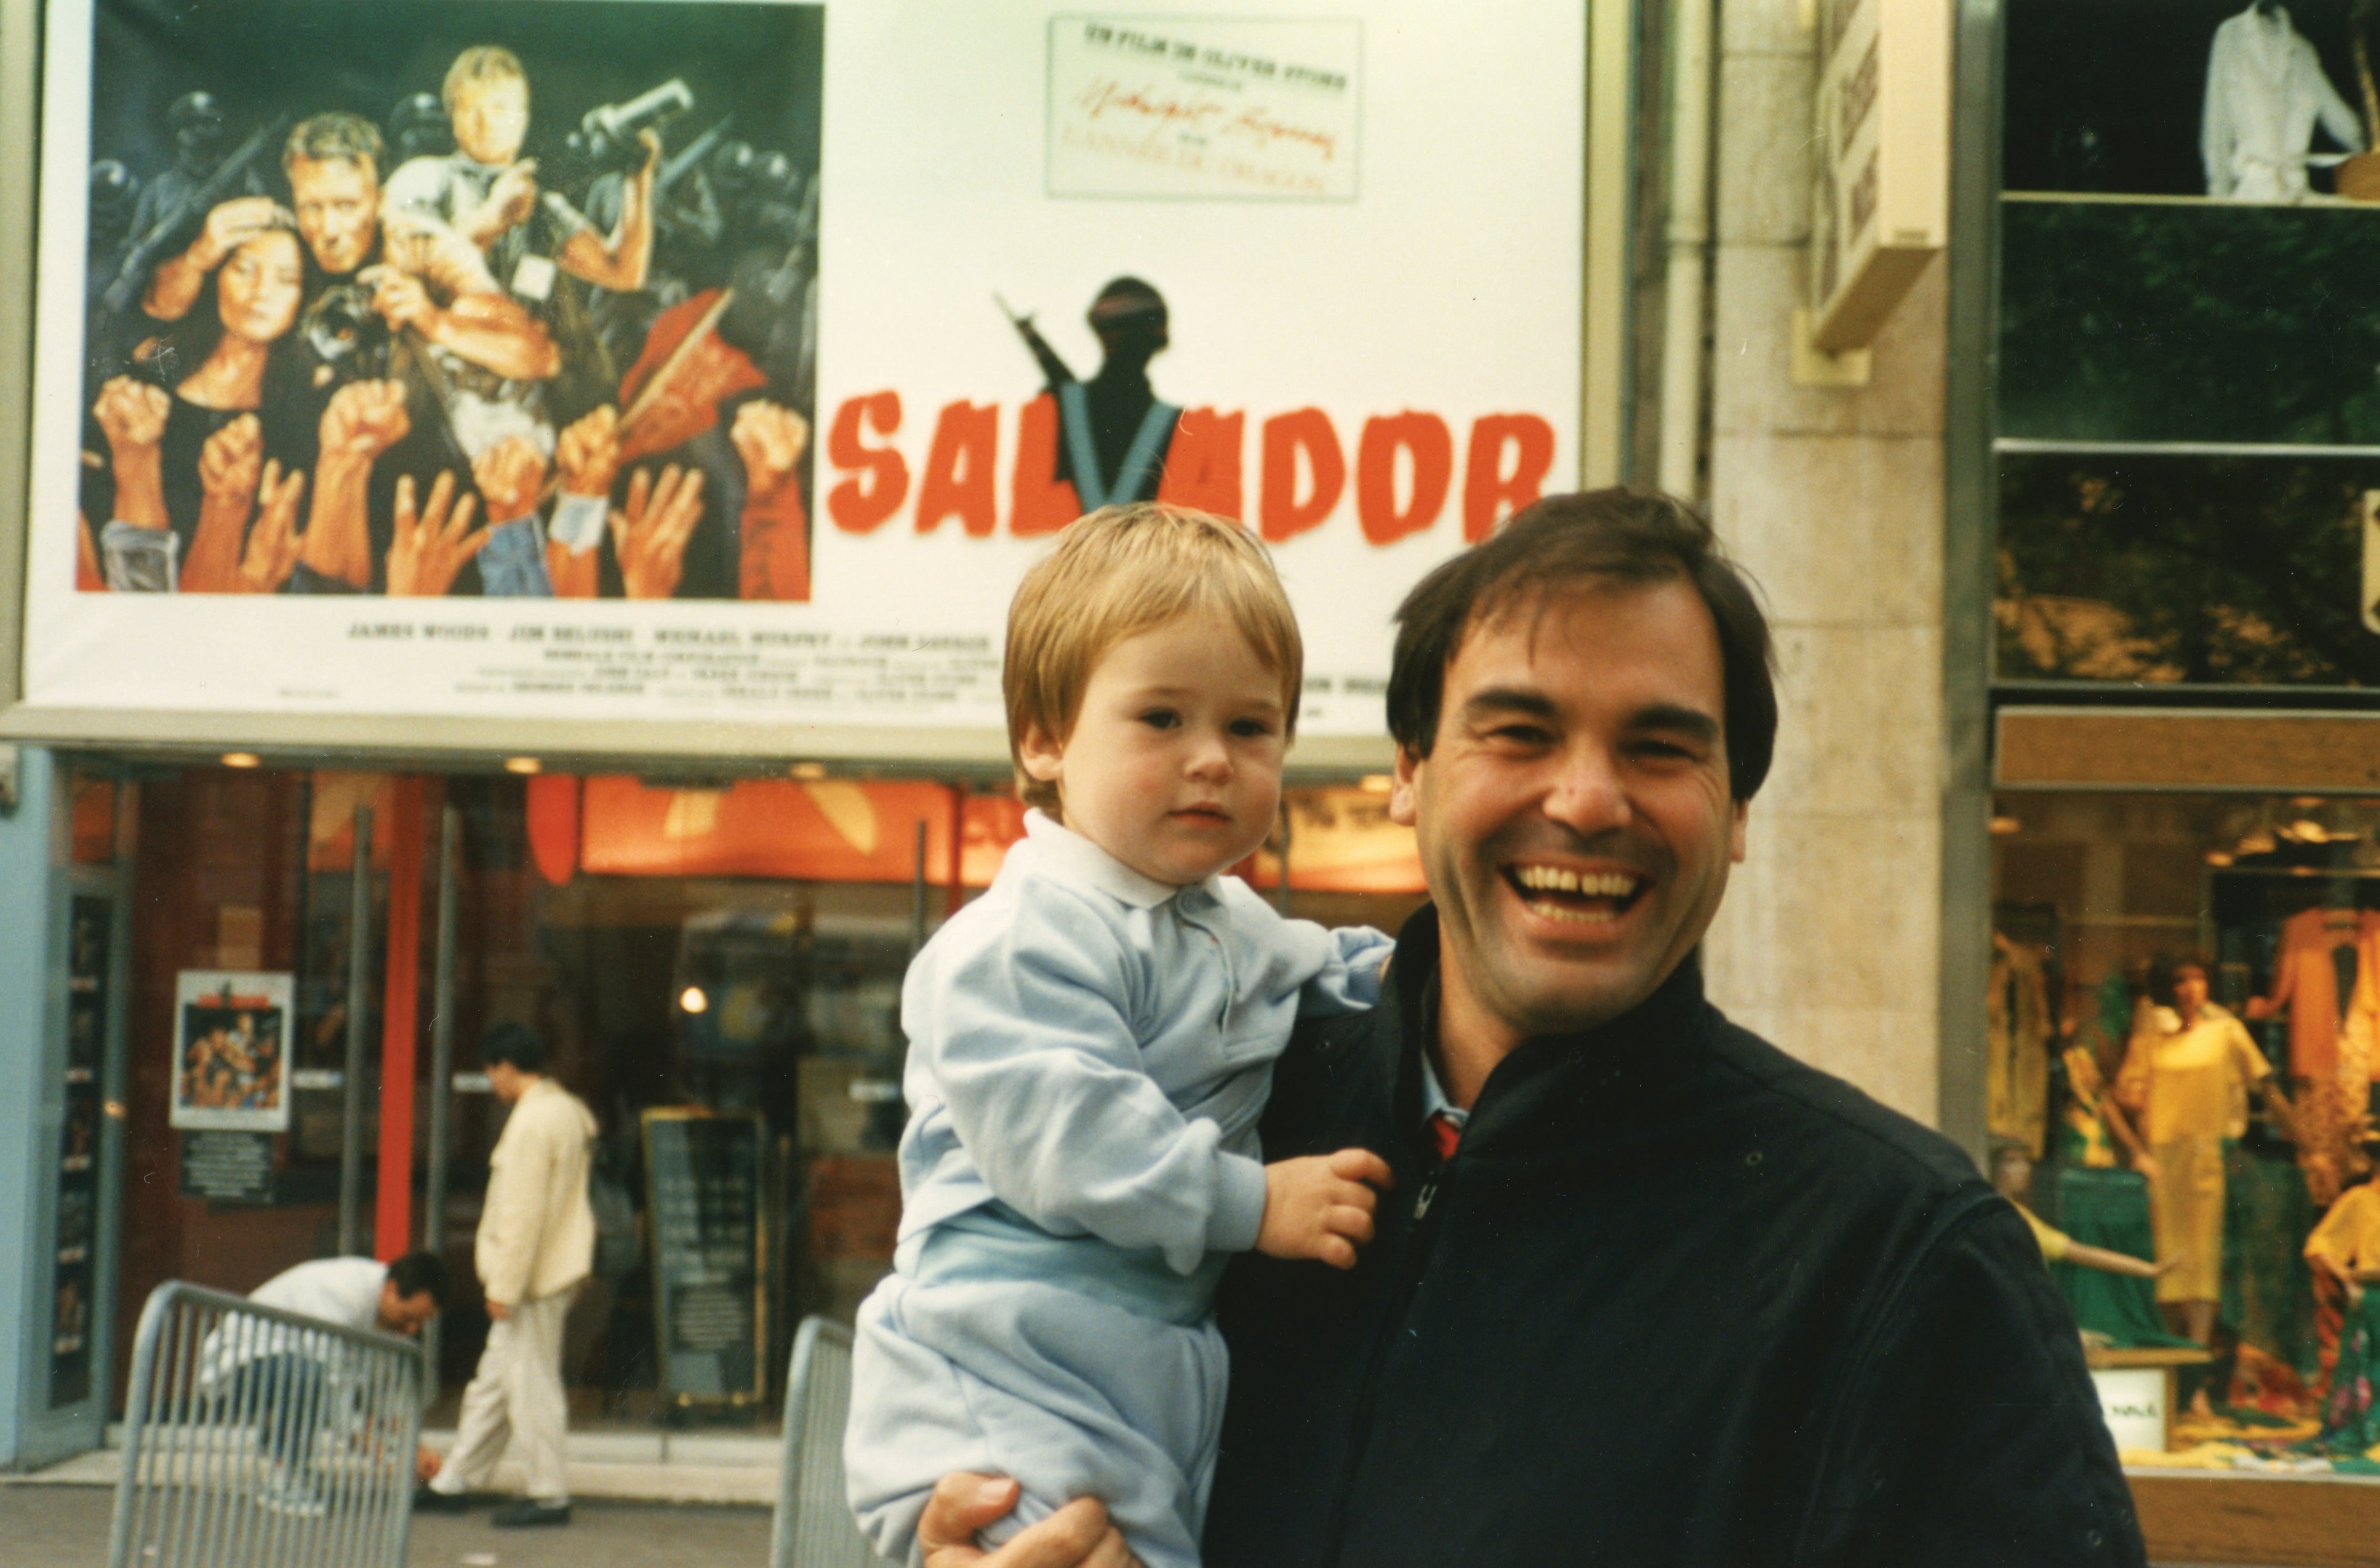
1251	109
1449	284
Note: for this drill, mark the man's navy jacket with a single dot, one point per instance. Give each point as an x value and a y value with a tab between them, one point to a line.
1676	1298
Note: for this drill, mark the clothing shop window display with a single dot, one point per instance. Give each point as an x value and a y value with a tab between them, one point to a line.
2265	92
2344	1253
2017	1062
2326	984
2189	1072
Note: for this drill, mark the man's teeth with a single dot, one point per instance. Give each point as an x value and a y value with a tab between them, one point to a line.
1588	885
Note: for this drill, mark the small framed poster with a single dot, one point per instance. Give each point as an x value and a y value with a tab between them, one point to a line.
231	1052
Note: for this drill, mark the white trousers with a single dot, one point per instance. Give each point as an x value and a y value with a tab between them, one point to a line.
516	1397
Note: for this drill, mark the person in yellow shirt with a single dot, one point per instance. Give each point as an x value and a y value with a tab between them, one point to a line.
536	1246
2187	1071
2346	1247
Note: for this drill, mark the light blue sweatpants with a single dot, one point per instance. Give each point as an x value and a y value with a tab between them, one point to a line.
1071	1395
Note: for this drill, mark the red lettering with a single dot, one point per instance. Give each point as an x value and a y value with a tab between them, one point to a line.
959	479
1202	465
1426	437
1040	502
1307	429
860	506
1490	494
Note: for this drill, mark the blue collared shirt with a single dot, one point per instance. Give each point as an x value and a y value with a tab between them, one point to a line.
1093	1049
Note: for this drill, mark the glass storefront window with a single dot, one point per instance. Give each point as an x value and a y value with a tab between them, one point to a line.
733	952
2140	1101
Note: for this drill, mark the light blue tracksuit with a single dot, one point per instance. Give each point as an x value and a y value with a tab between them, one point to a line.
1089	1052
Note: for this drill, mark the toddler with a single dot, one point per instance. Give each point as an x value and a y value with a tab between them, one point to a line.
1090	1045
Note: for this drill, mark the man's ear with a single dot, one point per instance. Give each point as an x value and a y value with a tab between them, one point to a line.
1735	832
1041	755
1404	789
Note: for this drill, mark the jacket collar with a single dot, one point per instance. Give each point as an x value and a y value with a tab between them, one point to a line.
1060	851
1554	1087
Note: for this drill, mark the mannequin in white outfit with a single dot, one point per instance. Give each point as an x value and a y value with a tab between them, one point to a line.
2265	91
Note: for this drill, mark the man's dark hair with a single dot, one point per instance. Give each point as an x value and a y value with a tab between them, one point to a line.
516	1044
335	135
1637	537
419	1272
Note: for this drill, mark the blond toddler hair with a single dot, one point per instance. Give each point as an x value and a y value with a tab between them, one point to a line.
1119	571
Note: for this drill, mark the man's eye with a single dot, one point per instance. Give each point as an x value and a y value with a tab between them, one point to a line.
1520	735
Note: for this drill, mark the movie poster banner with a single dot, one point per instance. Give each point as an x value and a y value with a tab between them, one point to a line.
231	1052
727	361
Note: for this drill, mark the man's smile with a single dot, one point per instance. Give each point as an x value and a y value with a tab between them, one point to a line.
1567	893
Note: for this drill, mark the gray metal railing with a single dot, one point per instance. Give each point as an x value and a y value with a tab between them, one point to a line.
814	1526
255	1438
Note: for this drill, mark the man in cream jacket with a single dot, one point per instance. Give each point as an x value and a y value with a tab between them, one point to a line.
536	1244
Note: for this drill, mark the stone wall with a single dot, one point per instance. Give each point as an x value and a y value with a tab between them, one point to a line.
1832	497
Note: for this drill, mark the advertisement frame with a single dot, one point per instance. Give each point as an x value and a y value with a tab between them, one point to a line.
711	746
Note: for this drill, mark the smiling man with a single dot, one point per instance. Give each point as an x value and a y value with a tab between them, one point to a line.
1646	1290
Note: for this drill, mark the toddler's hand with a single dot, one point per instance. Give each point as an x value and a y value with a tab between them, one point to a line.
1321	1207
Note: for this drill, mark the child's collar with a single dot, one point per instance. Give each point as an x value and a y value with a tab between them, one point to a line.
1077	859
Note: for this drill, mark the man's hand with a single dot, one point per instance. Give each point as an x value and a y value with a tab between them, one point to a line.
1078	1536
771	440
364	419
588	454
273	544
428	551
511	199
1320	1206
132	415
510	477
228	472
233	223
426	1463
229	462
402	299
89	576
650	536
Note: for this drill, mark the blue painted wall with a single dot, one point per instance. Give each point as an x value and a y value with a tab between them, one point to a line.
28	858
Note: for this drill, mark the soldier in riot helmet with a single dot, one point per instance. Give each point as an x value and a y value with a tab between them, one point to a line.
418	129
196	120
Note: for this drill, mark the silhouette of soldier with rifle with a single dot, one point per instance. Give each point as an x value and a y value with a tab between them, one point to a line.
1113	431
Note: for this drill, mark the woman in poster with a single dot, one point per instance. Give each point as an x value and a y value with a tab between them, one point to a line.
188	460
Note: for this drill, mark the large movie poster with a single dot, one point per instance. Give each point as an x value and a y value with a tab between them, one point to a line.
695	359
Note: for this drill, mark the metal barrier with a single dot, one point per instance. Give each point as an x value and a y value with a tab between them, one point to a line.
255	1438
814	1526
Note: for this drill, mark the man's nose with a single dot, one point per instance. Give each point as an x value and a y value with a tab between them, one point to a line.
1588	794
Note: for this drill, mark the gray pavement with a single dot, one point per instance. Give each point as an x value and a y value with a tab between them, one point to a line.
66	1527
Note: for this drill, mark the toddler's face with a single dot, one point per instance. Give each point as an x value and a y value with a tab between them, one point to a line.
1175	764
